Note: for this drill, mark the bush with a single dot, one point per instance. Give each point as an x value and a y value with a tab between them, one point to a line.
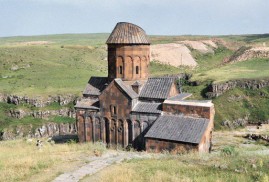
228	151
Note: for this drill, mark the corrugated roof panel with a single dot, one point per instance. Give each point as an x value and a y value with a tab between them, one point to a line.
95	86
178	128
157	88
147	107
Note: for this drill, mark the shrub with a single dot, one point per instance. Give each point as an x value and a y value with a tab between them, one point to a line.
228	151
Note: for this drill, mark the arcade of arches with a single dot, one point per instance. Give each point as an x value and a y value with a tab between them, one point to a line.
121	132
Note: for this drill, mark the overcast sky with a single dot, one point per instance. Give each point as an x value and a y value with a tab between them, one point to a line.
159	17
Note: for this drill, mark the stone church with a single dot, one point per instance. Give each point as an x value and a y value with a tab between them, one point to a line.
129	108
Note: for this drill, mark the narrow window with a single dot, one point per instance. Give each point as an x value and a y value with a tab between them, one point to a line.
111	109
120	69
115	110
137	69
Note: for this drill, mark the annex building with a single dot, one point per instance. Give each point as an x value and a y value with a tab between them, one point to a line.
128	108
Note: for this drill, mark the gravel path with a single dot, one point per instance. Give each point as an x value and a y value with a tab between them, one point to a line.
98	163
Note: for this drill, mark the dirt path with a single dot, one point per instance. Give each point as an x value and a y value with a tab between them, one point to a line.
99	163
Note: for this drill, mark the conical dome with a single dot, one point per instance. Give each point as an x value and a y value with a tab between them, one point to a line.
127	33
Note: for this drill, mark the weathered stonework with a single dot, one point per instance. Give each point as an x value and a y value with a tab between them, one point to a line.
120	110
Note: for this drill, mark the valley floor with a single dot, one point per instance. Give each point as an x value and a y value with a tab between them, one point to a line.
234	158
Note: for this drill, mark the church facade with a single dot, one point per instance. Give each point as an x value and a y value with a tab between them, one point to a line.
127	108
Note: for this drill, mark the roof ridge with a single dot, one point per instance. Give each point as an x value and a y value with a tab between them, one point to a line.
130	92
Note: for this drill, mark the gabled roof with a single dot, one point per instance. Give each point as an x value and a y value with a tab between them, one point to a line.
127	33
95	86
157	88
178	128
147	107
88	104
126	88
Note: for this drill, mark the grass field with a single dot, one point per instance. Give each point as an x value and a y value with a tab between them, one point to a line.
233	159
49	70
21	160
251	69
64	64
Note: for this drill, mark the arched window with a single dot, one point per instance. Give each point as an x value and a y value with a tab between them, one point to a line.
137	69
120	70
113	110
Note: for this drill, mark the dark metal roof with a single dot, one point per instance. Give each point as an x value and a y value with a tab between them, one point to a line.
147	107
178	128
126	88
95	86
88	104
157	88
127	33
180	97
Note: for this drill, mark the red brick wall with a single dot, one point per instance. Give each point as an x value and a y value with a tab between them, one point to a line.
155	145
129	57
195	111
112	96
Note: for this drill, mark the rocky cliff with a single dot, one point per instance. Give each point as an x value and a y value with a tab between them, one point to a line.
38	101
49	129
217	89
20	113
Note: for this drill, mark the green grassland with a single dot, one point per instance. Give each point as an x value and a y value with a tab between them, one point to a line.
233	158
187	168
65	64
49	70
21	160
251	69
97	39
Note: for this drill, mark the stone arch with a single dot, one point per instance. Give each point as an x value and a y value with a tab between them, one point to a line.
81	129
137	135
120	130
136	63
120	67
137	128
128	67
145	128
97	129
113	131
129	131
89	129
144	67
106	130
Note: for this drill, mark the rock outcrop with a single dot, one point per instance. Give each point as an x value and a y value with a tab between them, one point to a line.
49	129
20	113
217	89
38	101
245	53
